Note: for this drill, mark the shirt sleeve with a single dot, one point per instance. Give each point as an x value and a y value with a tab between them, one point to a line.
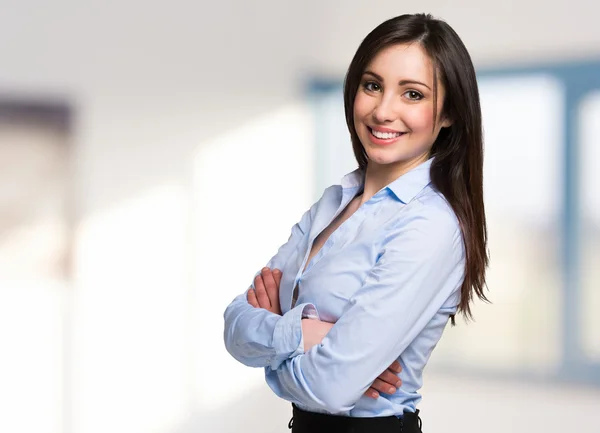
420	267
255	336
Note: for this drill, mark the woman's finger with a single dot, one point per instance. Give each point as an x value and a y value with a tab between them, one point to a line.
277	276
261	293
390	378
396	367
252	298
384	387
271	286
371	392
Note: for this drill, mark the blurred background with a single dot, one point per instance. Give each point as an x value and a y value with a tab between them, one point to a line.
153	157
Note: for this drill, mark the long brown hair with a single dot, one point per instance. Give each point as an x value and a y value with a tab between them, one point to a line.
457	169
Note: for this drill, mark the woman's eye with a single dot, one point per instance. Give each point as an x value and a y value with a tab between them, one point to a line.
371	86
413	95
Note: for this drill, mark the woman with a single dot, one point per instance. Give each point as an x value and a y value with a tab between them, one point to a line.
373	271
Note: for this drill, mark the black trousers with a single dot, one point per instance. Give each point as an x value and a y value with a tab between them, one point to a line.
310	422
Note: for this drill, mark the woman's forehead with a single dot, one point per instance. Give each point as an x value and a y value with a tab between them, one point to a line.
402	62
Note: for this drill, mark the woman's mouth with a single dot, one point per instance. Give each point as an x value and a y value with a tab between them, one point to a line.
380	137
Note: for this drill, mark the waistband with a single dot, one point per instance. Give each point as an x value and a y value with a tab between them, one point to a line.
303	422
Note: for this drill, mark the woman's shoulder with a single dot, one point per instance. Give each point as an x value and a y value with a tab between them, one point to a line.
429	219
434	207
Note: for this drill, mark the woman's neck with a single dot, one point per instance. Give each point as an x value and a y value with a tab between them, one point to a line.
378	176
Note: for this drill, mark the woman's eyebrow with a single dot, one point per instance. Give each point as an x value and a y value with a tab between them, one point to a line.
401	83
405	82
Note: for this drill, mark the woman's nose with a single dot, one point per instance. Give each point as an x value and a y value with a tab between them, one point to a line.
385	111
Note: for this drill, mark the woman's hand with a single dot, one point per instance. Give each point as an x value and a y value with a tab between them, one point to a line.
388	382
266	295
266	291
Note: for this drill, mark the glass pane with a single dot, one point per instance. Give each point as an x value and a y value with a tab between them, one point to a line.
334	149
523	117
590	227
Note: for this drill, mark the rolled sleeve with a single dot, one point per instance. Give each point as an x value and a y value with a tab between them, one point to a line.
256	337
288	340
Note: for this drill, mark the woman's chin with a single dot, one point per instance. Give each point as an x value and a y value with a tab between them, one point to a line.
386	158
379	159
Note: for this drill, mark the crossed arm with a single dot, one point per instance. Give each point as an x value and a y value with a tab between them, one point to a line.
416	277
266	295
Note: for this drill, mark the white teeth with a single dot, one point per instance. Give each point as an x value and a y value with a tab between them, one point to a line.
385	135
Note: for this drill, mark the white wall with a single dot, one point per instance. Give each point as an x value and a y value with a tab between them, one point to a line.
159	90
496	33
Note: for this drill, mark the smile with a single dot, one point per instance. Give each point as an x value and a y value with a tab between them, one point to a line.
386	137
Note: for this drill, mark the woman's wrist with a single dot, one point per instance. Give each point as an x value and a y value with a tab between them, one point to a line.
314	331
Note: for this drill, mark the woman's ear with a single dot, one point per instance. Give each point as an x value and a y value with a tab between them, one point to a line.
446	122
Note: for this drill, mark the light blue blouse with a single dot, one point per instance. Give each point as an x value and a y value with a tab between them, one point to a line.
389	277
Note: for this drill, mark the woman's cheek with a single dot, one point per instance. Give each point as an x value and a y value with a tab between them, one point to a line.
360	106
420	119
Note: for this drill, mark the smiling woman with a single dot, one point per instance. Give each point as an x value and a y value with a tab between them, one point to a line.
395	106
346	315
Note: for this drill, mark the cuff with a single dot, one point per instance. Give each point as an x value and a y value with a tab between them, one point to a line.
287	336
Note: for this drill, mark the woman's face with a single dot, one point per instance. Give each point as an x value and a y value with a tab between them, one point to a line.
393	108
